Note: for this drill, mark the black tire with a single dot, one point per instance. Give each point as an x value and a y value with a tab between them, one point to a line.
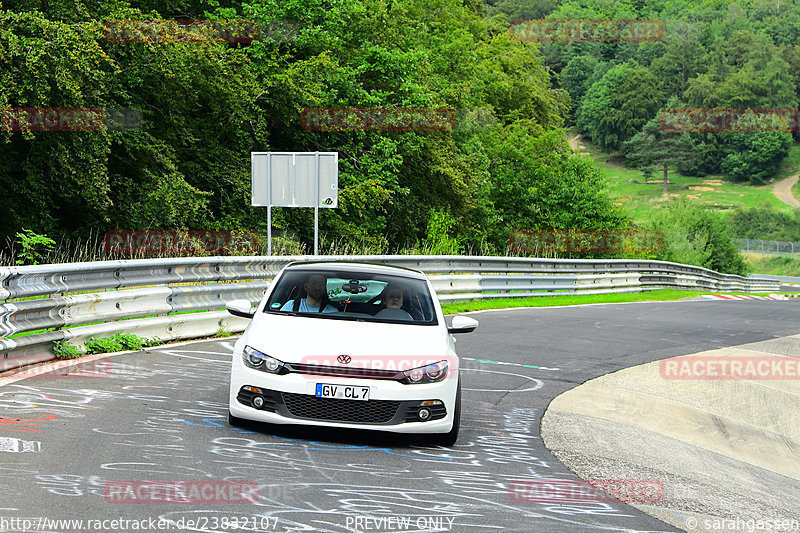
450	438
235	420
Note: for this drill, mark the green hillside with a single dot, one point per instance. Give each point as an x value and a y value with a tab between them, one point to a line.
641	199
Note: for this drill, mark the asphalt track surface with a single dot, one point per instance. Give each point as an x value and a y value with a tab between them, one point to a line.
162	415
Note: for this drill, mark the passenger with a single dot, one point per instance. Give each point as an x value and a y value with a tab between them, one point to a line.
316	287
393	298
392	304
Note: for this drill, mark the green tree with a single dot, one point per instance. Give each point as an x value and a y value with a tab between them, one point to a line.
652	148
539	183
618	105
683	59
576	78
755	156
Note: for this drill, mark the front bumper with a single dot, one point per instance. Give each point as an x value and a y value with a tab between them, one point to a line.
393	406
307	407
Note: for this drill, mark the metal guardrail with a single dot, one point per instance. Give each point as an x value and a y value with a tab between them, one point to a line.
783	279
76	301
758	246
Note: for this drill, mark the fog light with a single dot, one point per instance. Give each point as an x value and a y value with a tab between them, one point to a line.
424	414
258	402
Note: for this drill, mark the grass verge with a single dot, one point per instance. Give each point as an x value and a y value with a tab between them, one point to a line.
776	265
572	299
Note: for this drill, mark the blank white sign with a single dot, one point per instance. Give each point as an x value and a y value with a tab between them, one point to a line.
289	179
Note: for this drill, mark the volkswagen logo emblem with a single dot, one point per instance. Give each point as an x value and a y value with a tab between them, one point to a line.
344	359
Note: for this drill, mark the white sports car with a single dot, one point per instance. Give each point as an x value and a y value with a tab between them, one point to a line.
349	345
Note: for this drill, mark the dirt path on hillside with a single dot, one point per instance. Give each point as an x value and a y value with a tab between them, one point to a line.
575	141
783	190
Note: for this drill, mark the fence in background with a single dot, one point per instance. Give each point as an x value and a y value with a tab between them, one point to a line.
161	297
758	246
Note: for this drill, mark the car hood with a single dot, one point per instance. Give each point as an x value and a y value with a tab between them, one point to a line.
294	339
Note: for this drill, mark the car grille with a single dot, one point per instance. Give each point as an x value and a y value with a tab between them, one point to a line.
367	412
351	372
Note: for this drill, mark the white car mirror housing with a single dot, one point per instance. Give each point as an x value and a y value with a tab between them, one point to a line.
242	308
462	324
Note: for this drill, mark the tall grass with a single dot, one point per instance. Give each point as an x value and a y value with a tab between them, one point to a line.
777	265
92	249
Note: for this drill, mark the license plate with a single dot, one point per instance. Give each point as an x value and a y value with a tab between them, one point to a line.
342	392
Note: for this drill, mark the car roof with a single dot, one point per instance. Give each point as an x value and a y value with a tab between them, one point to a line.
352	266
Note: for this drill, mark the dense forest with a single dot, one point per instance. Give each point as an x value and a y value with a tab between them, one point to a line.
203	105
206	105
714	54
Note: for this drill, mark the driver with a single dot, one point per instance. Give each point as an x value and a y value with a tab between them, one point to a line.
316	287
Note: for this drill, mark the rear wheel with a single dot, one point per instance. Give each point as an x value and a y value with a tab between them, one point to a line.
450	438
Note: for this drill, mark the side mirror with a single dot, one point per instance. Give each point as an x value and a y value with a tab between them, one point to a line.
241	308
462	324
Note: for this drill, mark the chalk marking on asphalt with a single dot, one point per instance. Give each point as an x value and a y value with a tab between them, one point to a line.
49	366
183	356
537	386
163	350
504	363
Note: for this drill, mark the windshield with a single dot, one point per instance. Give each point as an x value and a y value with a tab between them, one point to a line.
362	296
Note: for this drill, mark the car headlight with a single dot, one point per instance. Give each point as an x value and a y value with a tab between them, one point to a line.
261	361
427	374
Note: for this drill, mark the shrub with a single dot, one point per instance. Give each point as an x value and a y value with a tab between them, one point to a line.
697	236
118	343
65	350
438	240
765	223
34	246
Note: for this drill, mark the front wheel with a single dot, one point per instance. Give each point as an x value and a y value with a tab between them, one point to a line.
450	438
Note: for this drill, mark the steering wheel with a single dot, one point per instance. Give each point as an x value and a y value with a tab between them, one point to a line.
392	313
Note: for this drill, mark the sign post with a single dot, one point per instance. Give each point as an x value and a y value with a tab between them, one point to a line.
295	179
